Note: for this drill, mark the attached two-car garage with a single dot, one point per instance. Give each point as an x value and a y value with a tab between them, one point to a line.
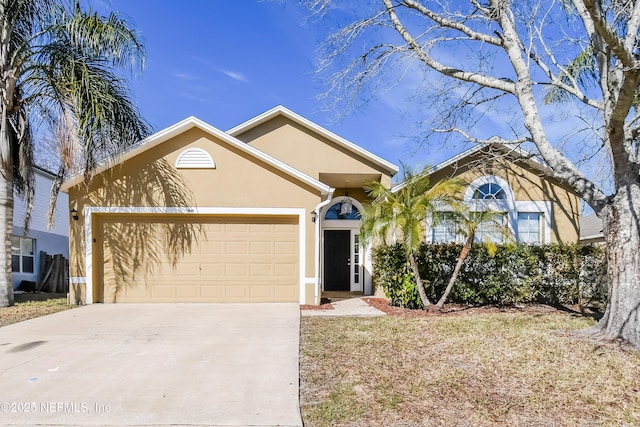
160	257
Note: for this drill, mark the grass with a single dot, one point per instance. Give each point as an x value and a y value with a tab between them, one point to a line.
467	369
29	306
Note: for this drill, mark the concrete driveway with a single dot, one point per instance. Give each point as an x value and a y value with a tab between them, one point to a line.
153	364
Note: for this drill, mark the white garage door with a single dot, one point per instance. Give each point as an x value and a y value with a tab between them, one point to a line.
191	258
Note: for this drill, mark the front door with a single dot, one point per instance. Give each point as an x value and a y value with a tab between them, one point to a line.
337	262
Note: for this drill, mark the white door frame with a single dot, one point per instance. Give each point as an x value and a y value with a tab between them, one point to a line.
354	227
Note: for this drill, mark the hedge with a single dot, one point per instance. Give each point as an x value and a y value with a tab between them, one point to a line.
515	274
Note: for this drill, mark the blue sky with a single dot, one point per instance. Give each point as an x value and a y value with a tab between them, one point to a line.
228	61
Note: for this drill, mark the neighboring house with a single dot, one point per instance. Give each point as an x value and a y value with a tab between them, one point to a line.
39	238
591	230
266	212
529	203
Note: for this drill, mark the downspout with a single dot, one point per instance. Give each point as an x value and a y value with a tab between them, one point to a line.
318	209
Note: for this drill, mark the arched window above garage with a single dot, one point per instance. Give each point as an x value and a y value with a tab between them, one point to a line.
195	158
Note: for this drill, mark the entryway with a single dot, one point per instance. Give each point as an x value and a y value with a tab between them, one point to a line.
342	258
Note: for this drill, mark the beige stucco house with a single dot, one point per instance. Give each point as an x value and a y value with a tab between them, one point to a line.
268	212
531	205
265	212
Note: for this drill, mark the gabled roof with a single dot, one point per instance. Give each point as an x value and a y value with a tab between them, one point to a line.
193	122
504	149
522	155
285	112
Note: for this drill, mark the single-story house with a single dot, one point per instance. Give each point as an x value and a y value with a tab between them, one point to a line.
528	202
26	248
265	212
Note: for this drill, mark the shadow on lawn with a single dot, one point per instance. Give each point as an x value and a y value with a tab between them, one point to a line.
37	296
593	311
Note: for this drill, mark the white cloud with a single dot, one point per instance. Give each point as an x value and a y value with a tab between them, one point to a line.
183	76
234	75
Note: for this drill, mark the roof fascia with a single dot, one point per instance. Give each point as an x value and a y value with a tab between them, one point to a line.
194	122
526	157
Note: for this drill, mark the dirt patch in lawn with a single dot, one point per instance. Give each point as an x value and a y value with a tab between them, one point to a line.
32	305
473	367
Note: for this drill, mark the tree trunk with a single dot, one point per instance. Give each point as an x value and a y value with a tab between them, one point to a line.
464	253
6	218
621	220
416	273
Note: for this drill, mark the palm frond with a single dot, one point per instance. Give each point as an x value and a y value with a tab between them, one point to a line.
582	69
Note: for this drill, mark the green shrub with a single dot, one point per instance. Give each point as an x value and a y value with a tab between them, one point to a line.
515	274
395	278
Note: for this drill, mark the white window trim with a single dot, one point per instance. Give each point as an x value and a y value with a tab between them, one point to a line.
33	245
508	206
192	210
544	209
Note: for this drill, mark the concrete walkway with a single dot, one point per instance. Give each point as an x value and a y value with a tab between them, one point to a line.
153	364
348	307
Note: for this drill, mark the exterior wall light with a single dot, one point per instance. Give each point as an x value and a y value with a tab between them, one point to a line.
314	215
346	206
74	214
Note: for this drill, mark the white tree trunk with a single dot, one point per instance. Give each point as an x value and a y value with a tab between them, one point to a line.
6	219
622	235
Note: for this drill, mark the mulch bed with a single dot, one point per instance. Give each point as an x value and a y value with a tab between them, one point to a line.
459	309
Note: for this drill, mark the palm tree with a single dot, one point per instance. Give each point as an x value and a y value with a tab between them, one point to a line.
400	213
60	72
468	224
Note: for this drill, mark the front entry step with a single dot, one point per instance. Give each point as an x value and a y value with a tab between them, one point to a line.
334	296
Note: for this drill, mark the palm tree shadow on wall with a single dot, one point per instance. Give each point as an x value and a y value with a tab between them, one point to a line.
133	249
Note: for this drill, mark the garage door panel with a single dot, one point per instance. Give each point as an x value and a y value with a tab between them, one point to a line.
211	247
212	292
286	228
260	228
235	248
283	293
211	269
289	270
284	248
188	292
235	228
263	270
236	259
236	290
261	248
162	291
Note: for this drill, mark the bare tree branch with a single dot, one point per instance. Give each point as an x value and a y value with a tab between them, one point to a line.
484	80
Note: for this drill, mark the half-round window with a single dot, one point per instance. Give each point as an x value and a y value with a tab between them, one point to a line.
489	191
334	212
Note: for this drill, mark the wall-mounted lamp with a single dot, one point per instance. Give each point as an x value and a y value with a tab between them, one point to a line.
314	215
74	214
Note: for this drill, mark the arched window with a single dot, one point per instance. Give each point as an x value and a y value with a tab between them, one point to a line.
489	191
334	212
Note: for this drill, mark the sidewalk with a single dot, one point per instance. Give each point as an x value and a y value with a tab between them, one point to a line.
348	307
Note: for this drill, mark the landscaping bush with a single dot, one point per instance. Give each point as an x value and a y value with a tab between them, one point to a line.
515	274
